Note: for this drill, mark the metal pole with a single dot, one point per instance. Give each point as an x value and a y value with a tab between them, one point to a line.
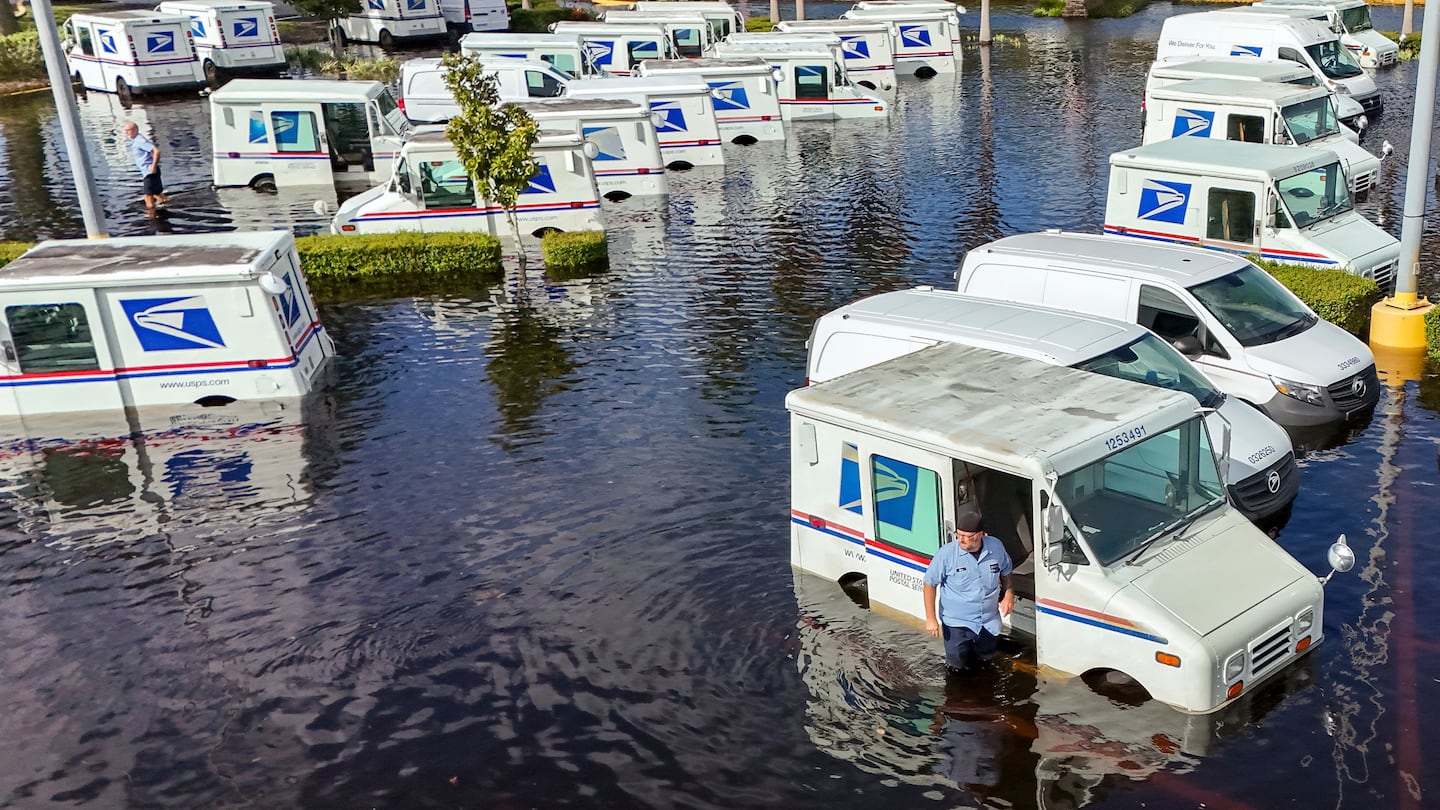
69	114
1416	187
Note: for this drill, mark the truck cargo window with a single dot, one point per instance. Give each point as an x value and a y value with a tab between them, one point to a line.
51	337
1247	128
1230	215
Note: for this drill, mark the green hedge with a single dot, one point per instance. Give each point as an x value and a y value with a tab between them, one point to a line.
1432	332
1335	295
390	255
10	251
567	251
1409	46
20	57
761	24
538	20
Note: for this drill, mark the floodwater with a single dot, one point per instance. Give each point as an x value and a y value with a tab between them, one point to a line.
529	548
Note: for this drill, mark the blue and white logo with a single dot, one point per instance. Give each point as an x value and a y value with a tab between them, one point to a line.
415	5
601	51
1196	123
1163	201
168	324
257	130
855	47
107	40
197	27
247	27
730	96
1246	50
607	140
289	303
160	42
914	36
542	182
378	5
673	117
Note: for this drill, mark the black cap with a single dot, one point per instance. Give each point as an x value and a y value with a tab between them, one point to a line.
968	521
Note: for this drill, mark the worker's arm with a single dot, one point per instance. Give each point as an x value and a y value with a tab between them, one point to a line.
1007	596
932	624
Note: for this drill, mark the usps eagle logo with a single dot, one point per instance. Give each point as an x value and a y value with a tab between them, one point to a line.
107	40
854	47
170	324
607	140
1164	201
730	96
914	36
672	117
542	182
1245	50
600	50
197	27
1193	123
160	42
247	27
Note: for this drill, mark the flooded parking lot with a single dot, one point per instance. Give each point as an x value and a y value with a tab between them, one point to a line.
530	546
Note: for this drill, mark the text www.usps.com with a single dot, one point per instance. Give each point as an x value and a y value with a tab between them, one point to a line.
194	383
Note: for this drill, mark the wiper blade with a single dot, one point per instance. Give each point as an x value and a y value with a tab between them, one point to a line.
1150	541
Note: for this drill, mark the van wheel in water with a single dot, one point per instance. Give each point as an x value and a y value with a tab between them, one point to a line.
1116	686
745	140
925	73
214	401
264	184
387	40
123	91
679	165
857	587
617	195
212	73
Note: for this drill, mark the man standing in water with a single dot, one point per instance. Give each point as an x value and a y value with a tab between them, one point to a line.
147	159
971	577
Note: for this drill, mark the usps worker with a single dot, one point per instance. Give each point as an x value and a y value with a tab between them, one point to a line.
971	577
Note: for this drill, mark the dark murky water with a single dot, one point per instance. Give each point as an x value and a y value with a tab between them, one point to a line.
529	549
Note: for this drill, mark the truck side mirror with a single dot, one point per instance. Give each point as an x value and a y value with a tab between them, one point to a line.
1052	528
1341	558
1053	555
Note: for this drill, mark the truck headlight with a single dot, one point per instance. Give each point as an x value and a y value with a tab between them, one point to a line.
1305	621
1234	666
1309	394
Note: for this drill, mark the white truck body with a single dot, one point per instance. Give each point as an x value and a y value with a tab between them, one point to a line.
1127	556
923	40
813	82
466	16
153	320
1350	19
232	37
386	22
424	98
690	33
724	18
881	327
1251	69
867	46
1252	337
1258	112
1285	204
564	52
275	133
627	160
746	98
685	114
430	192
1249	32
618	49
131	52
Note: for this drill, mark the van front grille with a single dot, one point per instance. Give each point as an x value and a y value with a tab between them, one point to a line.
1269	650
1254	495
1360	391
1384	275
1362	183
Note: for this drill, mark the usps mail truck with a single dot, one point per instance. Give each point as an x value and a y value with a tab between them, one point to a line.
232	38
1285	204
465	16
867	47
1126	555
1259	112
388	21
921	38
1249	69
690	32
813	83
685	114
424	97
565	52
724	18
618	49
131	52
274	133
745	95
1351	20
626	160
430	192
952	12
149	320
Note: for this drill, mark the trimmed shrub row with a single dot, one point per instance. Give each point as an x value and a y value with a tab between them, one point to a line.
761	24
574	250
10	251
391	255
1409	46
538	20
1335	295
20	57
1432	332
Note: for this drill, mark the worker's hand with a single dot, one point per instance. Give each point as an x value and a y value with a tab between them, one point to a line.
932	627
1007	603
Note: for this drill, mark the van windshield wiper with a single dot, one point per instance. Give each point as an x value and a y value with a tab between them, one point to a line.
1180	525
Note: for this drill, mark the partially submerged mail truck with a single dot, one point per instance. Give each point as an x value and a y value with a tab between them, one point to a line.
744	94
1350	19
1290	205
1127	556
626	158
387	21
922	39
232	37
564	52
149	320
811	77
685	114
1250	69
131	52
869	52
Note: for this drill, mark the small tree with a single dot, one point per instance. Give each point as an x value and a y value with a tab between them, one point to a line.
493	141
329	11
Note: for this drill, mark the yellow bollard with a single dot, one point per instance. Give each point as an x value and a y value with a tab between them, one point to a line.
1398	322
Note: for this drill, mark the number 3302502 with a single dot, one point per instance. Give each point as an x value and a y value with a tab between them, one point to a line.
1123	438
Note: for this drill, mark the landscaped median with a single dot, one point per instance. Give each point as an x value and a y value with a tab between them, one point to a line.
334	263
570	254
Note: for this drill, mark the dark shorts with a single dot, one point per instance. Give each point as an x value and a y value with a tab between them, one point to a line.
153	184
963	646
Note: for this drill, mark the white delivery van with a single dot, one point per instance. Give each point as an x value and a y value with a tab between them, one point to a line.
1250	69
617	49
1351	20
1246	32
745	96
464	16
813	83
690	32
389	21
920	38
627	159
867	47
430	192
149	320
1252	337
1285	204
685	114
1262	477
276	133
131	52
724	18
424	98
1127	556
564	52
232	37
1259	112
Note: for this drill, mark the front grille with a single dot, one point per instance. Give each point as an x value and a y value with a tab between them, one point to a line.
1346	395
1253	494
1372	104
1388	58
1269	650
1384	275
1362	183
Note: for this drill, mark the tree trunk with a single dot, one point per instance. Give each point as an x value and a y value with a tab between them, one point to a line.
774	11
8	23
1407	22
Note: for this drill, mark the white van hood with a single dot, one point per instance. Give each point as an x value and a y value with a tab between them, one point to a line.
1377	42
1353	238
1347	107
1227	569
352	206
1362	85
1252	435
1315	356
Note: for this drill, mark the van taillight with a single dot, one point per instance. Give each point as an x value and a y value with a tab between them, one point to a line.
400	102
806	384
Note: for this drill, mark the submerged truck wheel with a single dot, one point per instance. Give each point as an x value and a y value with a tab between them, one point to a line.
212	72
122	89
679	165
745	140
926	72
265	184
1117	686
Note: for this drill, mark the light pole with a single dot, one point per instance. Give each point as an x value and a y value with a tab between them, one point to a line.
69	114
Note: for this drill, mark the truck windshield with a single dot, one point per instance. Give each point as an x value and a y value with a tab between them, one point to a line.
1152	361
1151	488
1315	195
1254	307
1356	19
1311	120
1334	60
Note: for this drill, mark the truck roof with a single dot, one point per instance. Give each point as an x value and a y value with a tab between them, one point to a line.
1246	67
78	263
250	90
570	107
479	39
991	405
221	5
1183	265
626	86
136	16
430	138
801	45
805	26
1241	91
1209	156
707	64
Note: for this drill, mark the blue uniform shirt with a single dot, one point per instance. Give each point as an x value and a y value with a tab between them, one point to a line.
142	151
969	585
